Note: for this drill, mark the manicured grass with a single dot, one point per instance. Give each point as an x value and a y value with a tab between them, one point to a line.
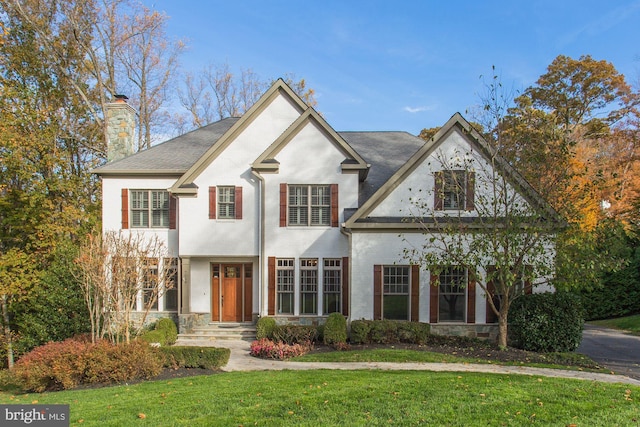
629	323
556	360
354	398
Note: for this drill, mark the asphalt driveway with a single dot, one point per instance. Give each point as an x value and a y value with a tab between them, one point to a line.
612	349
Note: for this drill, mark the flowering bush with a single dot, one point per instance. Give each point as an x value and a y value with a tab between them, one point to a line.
268	349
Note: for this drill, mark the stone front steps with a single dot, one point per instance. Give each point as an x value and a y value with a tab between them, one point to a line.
208	335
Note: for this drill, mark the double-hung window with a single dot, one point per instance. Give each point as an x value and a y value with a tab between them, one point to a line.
452	295
332	286
308	286
226	202
149	208
395	292
309	205
285	272
454	190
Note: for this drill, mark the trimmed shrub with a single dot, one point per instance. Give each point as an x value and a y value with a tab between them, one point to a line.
267	349
153	336
335	330
107	363
389	332
75	361
195	357
169	328
164	331
295	334
384	332
265	326
413	332
548	322
360	331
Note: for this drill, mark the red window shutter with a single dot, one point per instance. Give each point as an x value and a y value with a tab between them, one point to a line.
212	202
345	286
334	205
125	208
438	203
491	290
271	286
415	293
471	191
471	298
377	292
173	212
433	299
238	202
283	205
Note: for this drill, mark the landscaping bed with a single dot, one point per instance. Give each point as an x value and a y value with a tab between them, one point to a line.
465	348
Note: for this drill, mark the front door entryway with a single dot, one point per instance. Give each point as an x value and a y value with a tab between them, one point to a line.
231	292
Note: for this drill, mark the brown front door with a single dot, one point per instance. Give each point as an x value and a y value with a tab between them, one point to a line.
231	285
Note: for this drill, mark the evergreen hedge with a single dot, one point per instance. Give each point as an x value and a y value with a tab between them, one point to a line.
546	322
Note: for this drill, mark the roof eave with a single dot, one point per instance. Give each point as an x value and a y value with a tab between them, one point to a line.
173	173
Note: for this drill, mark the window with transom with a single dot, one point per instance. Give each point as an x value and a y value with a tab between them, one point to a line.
171	284
285	272
308	286
150	283
395	292
332	286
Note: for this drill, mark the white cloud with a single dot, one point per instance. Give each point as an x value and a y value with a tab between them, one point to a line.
414	110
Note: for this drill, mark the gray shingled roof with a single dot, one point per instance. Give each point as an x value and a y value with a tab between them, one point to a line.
176	155
386	152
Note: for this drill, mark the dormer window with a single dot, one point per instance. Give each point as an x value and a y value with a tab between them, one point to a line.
454	190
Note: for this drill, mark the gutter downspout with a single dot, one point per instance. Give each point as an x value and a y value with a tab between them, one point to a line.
261	295
347	232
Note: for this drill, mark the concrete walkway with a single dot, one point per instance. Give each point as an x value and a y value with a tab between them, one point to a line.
241	360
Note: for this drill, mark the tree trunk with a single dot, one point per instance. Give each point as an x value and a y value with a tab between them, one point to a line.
502	328
7	331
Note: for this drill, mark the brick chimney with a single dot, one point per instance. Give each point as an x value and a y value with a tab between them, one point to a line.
121	128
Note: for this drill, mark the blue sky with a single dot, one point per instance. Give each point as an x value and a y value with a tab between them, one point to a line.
403	65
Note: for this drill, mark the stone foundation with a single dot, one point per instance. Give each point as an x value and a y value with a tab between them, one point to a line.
488	332
298	320
153	316
189	321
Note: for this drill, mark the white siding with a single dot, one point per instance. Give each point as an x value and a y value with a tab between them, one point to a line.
112	208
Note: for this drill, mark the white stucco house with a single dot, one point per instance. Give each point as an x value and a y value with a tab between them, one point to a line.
277	214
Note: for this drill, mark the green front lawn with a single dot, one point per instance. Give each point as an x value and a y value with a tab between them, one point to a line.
322	398
629	323
571	361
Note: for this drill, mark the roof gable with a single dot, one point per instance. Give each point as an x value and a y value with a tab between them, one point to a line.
185	184
478	144
267	162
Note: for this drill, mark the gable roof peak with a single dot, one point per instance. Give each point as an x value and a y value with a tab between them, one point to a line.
185	186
